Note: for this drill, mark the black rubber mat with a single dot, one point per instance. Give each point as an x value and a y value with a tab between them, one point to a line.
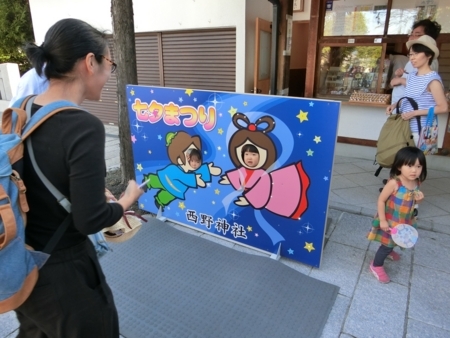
168	283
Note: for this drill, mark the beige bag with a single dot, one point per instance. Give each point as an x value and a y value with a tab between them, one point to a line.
126	228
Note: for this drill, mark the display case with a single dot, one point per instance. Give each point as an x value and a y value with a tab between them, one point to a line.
346	69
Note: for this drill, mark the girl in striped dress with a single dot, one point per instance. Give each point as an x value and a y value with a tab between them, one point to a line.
396	205
423	85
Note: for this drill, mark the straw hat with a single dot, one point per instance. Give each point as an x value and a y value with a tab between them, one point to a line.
125	228
426	41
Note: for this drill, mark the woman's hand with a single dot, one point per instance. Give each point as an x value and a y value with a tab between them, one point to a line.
409	115
399	72
130	195
390	108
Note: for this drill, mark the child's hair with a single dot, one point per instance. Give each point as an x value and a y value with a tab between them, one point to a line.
249	148
408	156
194	153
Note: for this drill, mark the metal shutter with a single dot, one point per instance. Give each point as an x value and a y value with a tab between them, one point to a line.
148	59
201	59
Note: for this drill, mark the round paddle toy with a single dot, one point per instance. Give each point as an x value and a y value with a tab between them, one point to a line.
404	235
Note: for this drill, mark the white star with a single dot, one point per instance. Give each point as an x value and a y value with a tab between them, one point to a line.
180	99
195	99
137	126
219	148
213	202
145	137
308	228
311	104
205	152
299	134
325	178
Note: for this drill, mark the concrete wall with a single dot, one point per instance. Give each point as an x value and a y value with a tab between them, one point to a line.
167	15
9	80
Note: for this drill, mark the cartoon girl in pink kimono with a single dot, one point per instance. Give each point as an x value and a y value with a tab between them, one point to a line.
252	151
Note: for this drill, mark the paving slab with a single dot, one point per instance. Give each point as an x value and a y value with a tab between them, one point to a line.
351	230
427	209
432	250
347	168
357	195
336	318
442	201
364	179
418	329
340	182
341	266
430	297
377	310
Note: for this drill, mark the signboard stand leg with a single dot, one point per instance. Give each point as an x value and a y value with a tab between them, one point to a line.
160	216
276	256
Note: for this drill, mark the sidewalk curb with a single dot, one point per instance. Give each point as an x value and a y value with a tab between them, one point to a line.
421	224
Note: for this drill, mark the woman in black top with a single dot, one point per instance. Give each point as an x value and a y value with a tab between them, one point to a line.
71	297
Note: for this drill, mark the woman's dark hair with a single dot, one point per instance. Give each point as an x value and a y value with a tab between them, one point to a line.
66	42
194	153
409	156
249	148
430	28
419	48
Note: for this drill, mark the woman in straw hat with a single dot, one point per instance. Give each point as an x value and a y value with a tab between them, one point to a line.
423	85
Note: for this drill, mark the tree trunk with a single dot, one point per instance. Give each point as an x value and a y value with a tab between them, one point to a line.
125	57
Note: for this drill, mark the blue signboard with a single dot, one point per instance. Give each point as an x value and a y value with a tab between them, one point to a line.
254	169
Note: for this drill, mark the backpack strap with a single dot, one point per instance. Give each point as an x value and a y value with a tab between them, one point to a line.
34	122
415	107
14	123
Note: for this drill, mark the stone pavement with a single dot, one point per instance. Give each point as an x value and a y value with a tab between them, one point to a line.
415	304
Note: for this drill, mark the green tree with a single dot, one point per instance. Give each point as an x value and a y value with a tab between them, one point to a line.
16	28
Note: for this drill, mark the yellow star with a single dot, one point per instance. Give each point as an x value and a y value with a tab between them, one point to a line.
310	152
220	131
232	111
309	247
249	228
189	91
317	139
245	103
142	206
132	92
181	205
139	167
217	191
303	116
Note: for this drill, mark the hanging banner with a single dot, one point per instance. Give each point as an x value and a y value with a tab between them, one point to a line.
254	169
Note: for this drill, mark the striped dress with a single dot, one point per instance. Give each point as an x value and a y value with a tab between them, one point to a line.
399	210
416	88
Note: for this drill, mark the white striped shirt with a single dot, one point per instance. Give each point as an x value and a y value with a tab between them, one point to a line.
416	88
